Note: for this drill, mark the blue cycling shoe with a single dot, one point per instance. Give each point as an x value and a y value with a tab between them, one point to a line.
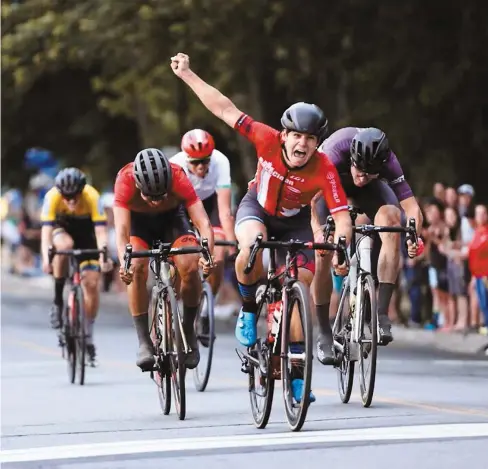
297	390
246	332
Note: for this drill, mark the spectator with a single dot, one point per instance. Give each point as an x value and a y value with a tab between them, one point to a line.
465	198
478	261
439	192
451	199
457	283
435	235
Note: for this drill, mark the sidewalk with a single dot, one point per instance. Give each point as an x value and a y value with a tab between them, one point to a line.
40	289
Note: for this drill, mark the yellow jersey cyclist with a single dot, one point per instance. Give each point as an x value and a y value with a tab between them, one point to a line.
73	217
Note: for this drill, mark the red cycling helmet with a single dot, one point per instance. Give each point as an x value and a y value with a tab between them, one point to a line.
197	143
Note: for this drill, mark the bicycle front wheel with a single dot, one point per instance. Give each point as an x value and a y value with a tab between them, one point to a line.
69	331
80	336
341	332
261	379
177	353
297	366
161	376
205	331
368	343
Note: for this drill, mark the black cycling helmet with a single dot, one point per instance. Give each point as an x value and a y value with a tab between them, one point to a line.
70	182
305	118
369	150
152	172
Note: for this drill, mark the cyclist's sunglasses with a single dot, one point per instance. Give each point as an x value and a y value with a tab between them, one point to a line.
370	170
70	197
153	197
197	161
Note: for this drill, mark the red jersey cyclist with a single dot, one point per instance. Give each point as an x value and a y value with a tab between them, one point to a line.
290	173
151	196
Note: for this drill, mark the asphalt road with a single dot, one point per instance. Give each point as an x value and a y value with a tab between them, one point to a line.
430	409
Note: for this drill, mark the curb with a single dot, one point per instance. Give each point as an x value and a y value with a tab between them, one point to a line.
40	289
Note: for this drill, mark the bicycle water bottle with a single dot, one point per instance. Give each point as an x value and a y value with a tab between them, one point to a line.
275	311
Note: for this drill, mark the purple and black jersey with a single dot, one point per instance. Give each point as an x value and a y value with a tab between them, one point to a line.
337	148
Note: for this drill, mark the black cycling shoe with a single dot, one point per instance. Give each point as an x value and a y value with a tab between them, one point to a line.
385	330
92	355
203	335
145	357
325	354
192	358
55	316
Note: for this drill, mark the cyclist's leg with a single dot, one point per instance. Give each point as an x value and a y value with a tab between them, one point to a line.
250	221
90	279
141	238
61	241
322	288
190	287
379	202
215	278
296	227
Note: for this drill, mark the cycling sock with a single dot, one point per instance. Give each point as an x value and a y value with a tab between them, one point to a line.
89	330
322	314
384	297
142	329
296	371
189	315
58	291
248	294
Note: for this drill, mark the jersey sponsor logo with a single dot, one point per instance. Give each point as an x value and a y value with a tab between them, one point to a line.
333	184
269	168
297	178
398	180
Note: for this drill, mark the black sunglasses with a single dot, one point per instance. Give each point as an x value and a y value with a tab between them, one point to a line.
198	161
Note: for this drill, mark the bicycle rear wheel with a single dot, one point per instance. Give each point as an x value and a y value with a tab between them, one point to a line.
297	365
177	353
161	376
368	344
261	380
205	331
342	334
80	336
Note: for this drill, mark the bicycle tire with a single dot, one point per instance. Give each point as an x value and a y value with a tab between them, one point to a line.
80	336
177	359
261	417
201	373
345	371
366	385
163	375
70	342
299	294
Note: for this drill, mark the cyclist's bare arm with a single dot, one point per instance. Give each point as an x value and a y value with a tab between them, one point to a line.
122	230
199	216
412	210
101	235
343	226
46	241
211	98
224	196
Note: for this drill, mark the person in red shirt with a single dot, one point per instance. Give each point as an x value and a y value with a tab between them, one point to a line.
290	173
150	198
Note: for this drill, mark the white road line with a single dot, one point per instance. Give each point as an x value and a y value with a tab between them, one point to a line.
414	432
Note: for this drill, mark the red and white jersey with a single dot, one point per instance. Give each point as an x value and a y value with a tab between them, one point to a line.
284	191
127	195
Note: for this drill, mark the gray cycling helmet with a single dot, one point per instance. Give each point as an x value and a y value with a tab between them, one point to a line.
152	172
369	150
305	118
70	182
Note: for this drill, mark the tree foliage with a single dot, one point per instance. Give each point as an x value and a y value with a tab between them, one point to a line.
91	80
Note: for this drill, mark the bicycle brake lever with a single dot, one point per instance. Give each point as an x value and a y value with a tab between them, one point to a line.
127	257
254	252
